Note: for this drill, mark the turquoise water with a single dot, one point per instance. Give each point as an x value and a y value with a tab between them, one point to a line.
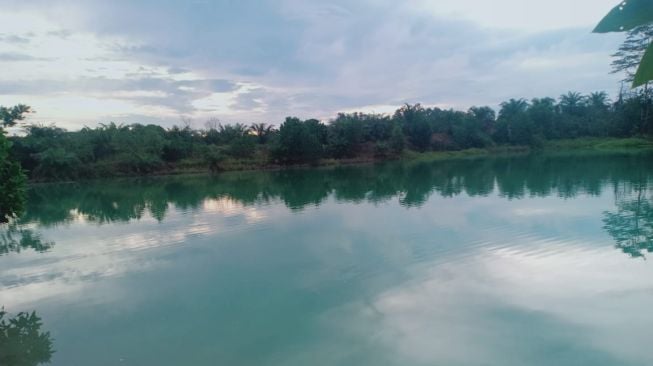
521	261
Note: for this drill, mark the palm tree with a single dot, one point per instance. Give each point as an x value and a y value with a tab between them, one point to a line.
229	133
511	116
512	108
262	130
486	116
571	102
545	103
598	100
9	116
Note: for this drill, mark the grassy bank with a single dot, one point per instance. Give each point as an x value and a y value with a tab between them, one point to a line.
260	161
568	146
581	145
601	144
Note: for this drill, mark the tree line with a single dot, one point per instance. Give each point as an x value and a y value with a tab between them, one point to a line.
52	153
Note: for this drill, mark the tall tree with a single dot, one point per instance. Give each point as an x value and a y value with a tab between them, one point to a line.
572	102
598	100
627	58
628	16
514	125
415	124
12	178
262	131
299	141
10	116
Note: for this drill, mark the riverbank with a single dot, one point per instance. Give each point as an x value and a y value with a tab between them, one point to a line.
581	145
261	162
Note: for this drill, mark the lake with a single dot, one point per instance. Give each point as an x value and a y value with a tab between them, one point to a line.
528	260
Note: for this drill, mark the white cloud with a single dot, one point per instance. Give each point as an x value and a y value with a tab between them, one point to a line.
303	58
522	15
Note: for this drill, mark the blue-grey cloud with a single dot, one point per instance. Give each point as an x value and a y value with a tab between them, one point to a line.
14	38
170	93
15	56
315	58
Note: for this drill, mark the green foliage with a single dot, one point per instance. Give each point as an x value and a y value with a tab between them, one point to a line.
179	143
514	125
137	163
58	163
242	147
299	141
12	178
12	183
413	118
345	135
9	116
229	133
214	158
469	132
382	150
22	343
397	141
644	72
627	16
629	55
262	131
51	153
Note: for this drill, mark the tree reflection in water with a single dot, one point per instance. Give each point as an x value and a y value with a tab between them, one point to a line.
22	343
410	183
15	238
631	225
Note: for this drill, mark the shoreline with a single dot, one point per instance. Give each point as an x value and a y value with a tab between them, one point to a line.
554	147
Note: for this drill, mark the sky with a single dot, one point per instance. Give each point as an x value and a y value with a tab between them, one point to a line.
80	63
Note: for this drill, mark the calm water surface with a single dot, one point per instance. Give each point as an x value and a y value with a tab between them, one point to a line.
513	261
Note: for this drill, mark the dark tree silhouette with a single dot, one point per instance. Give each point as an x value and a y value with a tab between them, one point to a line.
631	225
22	343
12	178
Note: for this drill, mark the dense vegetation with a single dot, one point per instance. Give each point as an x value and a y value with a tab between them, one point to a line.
52	153
633	16
12	178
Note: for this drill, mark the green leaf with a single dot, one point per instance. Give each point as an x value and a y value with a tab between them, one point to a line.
627	15
645	71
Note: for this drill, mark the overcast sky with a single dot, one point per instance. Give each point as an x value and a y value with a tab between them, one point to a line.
152	61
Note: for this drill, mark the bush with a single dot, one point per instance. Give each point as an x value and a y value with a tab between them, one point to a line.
242	147
140	163
298	142
344	137
214	157
397	141
12	183
57	163
382	150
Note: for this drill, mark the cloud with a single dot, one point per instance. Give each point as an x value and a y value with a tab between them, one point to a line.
14	38
308	58
176	94
521	15
13	57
